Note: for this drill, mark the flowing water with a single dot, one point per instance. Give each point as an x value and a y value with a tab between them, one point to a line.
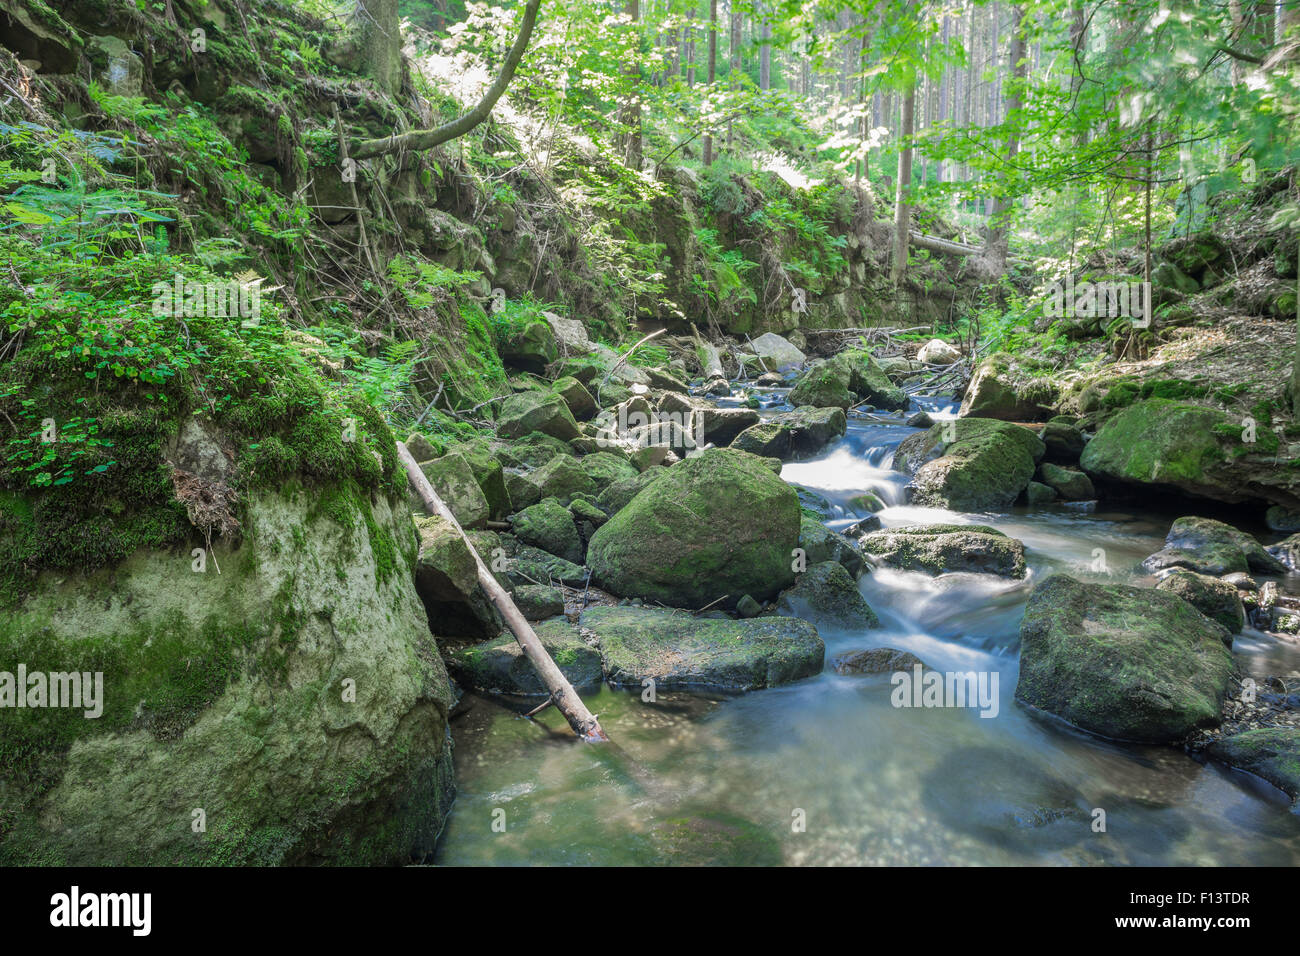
828	771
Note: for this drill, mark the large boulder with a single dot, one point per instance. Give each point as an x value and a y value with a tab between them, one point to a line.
718	525
453	479
297	698
536	411
876	660
971	464
1270	753
530	348
1068	483
945	548
826	593
679	650
581	405
776	354
488	473
938	352
499	666
562	477
549	525
820	544
798	434
1211	547
850	377
1217	599
1064	443
1122	662
993	393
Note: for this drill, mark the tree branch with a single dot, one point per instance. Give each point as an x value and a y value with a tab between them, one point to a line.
428	138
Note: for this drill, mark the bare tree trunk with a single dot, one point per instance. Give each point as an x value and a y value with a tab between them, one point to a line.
733	63
380	37
690	46
565	698
713	72
902	214
632	108
996	234
765	55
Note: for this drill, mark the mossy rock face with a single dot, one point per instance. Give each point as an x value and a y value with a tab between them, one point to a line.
532	451
1162	442
1064	443
532	348
1218	600
616	496
499	666
946	548
549	525
717	525
444	570
1069	484
562	477
1270	753
537	602
679	650
1037	493
1125	663
453	479
489	474
992	394
1211	547
800	434
971	464
827	594
535	411
297	698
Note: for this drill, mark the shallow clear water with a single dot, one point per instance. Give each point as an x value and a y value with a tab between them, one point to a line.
715	780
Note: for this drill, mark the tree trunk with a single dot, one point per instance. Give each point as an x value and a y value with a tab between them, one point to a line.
632	106
380	38
690	47
713	72
996	233
765	55
563	695
428	138
902	214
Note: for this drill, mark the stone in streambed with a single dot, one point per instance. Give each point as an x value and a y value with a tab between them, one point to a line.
1218	600
1122	662
536	411
799	434
1211	547
876	660
680	650
946	548
499	666
820	544
537	602
971	464
549	525
1270	753
1069	484
827	594
718	525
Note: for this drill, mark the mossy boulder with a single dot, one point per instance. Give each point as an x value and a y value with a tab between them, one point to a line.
489	474
499	666
971	464
1218	600
453	479
576	397
1122	662
1064	443
718	525
1162	442
995	392
297	698
531	348
604	468
876	660
537	602
820	544
1270	753
851	376
526	564
444	569
680	650
1211	547
827	594
618	495
799	434
1070	484
946	548
562	477
549	525
532	451
536	411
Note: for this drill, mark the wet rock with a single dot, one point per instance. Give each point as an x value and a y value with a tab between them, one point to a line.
1069	484
849	377
993	393
748	607
1122	662
1282	519
919	420
971	464
1286	552
1037	493
777	353
680	650
536	411
549	525
1218	600
719	523
1241	581
1211	547
1270	753
1064	443
801	433
820	544
499	666
876	660
947	548
826	593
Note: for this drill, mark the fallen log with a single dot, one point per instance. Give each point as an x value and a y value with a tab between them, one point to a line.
566	699
707	353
